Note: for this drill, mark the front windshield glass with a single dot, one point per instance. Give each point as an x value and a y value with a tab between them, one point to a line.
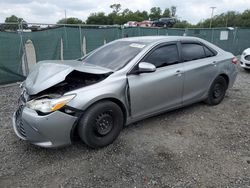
115	55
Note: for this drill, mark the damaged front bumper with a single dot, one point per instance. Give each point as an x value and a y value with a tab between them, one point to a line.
49	131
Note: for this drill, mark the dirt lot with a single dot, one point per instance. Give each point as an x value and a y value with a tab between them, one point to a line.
197	146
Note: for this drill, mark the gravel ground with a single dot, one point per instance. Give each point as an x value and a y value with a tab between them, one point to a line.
197	146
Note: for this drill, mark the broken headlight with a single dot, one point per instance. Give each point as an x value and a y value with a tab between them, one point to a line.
46	105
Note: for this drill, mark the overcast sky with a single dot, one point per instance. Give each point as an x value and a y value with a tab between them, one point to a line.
50	11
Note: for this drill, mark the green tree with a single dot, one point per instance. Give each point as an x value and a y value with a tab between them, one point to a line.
173	11
98	18
228	19
182	24
166	13
155	13
246	18
15	21
70	21
116	8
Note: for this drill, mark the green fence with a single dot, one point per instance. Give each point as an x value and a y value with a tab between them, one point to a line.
71	42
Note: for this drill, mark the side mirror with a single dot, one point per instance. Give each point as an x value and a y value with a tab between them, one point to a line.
144	67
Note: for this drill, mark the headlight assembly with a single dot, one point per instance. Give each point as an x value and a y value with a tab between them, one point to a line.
47	105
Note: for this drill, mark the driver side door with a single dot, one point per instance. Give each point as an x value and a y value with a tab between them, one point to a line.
154	92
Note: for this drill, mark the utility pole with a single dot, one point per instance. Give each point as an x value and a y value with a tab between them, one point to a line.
226	20
65	16
212	14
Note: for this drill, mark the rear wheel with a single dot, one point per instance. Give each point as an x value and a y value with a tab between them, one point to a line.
217	91
101	124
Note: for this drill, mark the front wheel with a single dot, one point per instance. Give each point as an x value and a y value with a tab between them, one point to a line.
101	124
217	91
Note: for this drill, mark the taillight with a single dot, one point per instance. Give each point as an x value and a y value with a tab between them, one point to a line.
235	60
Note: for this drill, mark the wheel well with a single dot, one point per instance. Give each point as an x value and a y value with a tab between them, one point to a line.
121	105
118	102
226	78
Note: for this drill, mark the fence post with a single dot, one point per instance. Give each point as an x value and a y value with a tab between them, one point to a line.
185	32
122	31
61	49
139	31
212	35
66	37
80	39
84	46
234	38
20	26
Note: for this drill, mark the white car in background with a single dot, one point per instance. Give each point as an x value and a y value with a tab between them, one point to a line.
245	59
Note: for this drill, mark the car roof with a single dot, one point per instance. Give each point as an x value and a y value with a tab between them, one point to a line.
155	39
152	40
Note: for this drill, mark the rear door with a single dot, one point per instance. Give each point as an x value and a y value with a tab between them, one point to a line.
160	90
200	70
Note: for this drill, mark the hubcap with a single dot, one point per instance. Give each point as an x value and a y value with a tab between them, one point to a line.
218	90
104	123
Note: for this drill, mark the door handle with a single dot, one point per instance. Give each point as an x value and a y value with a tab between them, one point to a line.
214	63
178	73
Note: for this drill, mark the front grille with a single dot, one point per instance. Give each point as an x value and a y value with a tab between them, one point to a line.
19	122
247	57
248	65
23	98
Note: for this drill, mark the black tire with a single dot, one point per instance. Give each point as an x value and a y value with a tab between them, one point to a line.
101	124
217	91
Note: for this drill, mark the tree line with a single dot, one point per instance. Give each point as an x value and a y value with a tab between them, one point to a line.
120	17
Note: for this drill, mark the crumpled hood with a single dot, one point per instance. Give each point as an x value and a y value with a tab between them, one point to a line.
49	73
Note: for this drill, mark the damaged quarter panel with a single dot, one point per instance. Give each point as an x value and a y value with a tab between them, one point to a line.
113	87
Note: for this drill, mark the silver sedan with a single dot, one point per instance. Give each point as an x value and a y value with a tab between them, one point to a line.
119	83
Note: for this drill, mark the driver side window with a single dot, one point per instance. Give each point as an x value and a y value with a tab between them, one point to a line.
163	56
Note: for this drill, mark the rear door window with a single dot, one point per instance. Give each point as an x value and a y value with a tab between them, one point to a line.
192	51
208	52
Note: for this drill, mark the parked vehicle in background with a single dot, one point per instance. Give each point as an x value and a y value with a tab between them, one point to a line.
131	24
245	59
164	22
121	82
145	23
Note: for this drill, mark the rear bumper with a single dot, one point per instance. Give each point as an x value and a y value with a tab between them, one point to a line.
49	131
233	78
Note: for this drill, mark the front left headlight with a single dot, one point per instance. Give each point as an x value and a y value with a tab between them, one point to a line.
47	105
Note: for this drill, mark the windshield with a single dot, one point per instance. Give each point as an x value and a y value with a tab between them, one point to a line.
115	55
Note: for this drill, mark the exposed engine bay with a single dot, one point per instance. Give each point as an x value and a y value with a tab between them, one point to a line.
73	80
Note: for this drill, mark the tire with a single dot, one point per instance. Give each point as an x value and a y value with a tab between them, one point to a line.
217	91
101	124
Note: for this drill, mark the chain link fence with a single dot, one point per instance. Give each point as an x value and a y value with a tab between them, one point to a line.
21	49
